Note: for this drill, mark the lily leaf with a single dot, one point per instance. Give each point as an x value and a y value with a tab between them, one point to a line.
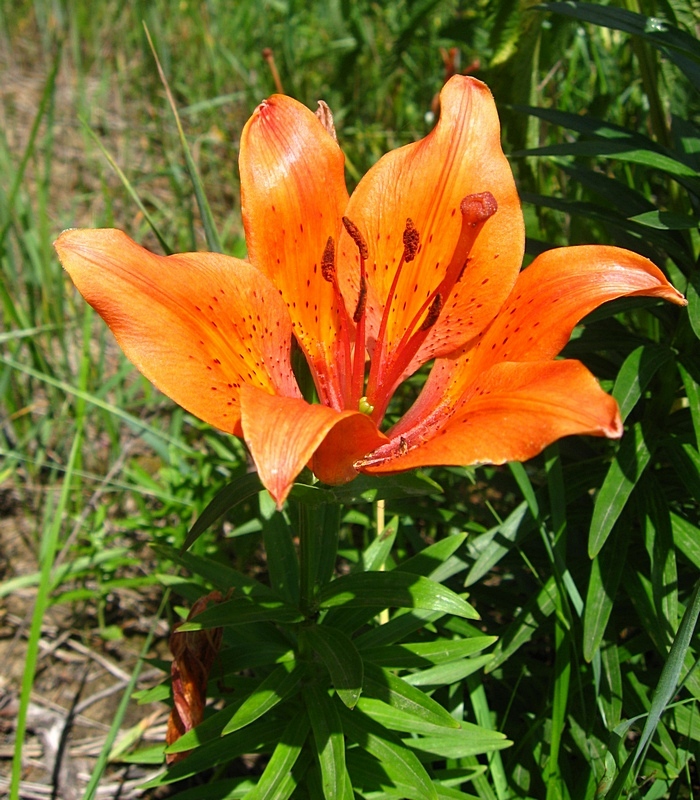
341	659
243	611
393	589
382	685
328	737
278	685
399	763
624	473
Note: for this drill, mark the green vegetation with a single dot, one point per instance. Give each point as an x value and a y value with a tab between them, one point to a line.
579	680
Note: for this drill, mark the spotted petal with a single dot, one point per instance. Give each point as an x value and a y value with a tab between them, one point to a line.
549	298
511	413
198	325
293	197
426	183
285	433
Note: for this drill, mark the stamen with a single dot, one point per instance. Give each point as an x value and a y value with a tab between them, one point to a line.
357	237
433	313
328	261
477	208
411	240
361	301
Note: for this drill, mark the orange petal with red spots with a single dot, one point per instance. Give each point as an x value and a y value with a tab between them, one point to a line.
426	182
293	197
549	298
198	325
284	434
511	413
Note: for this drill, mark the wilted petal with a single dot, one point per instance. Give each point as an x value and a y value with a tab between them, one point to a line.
198	325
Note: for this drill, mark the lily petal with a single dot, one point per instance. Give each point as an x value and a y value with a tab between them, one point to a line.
197	325
284	433
548	300
511	413
293	197
426	183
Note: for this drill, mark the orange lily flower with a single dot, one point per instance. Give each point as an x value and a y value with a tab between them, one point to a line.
421	263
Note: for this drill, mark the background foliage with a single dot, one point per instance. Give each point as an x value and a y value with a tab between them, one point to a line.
583	562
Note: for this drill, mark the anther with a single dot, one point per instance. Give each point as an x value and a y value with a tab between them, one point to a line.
361	301
357	237
328	261
433	313
477	208
411	240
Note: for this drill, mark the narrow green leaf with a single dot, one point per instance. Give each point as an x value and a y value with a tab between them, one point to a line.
692	391
426	654
393	589
471	739
606	571
395	758
367	489
610	698
670	674
220	575
224	500
382	685
260	735
659	542
637	370
628	466
686	537
401	625
278	685
432	558
283	758
282	561
328	737
693	295
341	659
665	220
376	554
448	674
242	611
453	745
489	548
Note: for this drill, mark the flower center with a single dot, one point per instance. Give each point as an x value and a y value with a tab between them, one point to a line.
390	364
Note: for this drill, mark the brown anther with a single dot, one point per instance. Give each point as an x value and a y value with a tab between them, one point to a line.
361	301
325	115
357	237
433	313
328	261
477	208
411	240
403	446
